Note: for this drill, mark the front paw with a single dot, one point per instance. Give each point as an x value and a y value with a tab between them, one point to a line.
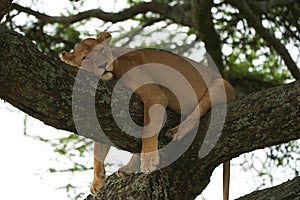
171	133
176	133
149	161
124	171
131	167
121	173
97	185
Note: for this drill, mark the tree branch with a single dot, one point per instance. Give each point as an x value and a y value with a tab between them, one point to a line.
264	6
289	190
131	35
4	7
203	22
163	9
44	88
248	14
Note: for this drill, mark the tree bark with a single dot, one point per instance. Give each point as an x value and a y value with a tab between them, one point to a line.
4	7
45	88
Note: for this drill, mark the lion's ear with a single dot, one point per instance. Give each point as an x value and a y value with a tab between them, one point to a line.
104	37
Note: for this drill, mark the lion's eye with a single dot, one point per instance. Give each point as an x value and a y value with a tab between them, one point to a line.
102	50
84	58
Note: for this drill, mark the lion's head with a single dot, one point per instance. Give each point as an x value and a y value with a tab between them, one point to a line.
93	55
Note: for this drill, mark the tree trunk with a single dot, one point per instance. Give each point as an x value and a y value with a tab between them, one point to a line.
56	94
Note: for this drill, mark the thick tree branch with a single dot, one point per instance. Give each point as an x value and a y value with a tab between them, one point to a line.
43	87
253	20
4	7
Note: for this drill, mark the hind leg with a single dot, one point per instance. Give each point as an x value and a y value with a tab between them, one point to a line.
220	91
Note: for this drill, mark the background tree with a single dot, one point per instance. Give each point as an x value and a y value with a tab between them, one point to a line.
255	44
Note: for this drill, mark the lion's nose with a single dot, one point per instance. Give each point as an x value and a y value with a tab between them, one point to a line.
102	66
61	54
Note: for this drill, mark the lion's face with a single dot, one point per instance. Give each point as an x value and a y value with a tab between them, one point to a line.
93	55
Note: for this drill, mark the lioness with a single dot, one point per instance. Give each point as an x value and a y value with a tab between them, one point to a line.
96	56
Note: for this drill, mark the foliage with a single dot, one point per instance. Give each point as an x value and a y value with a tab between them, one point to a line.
50	39
265	164
70	156
246	53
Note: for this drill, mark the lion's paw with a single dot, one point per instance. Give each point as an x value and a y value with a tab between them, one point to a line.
131	167
97	185
149	161
123	172
173	132
176	133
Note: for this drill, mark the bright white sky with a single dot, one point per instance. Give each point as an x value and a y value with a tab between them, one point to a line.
24	161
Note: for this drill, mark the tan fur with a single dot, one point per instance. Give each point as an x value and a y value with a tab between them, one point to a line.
115	62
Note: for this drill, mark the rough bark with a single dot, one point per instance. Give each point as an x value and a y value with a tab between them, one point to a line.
43	87
4	7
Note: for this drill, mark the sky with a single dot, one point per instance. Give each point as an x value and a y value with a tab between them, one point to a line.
25	162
